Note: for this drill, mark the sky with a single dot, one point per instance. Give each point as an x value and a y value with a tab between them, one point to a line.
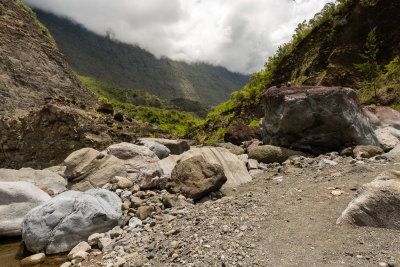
237	34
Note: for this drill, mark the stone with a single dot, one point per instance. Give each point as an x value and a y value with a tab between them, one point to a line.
315	119
106	108
104	242
252	164
122	182
172	201
139	162
116	231
144	211
234	169
66	264
234	149
271	154
159	149
376	203
327	162
33	260
384	118
239	133
394	153
196	178
40	178
81	247
176	147
135	222
367	151
386	139
87	169
93	239
16	200
69	218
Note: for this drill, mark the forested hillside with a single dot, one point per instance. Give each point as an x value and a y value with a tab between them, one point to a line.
350	43
129	66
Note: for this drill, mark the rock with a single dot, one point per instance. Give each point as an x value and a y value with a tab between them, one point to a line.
234	149
160	150
122	182
106	108
252	164
196	178
386	139
33	260
239	133
235	170
327	162
87	169
16	200
139	162
348	152
394	153
93	239
116	231
384	118
81	247
367	151
144	211
315	119
252	144
119	117
40	178
176	147
104	242
172	201
376	203
66	264
135	222
271	154
69	218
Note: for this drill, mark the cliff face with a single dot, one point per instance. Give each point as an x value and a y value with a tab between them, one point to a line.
328	54
31	66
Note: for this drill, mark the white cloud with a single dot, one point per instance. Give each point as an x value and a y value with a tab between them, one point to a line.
239	35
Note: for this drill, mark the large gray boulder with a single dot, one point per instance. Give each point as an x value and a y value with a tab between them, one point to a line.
271	154
234	169
139	161
315	119
16	200
87	169
176	147
69	218
376	204
195	178
386	124
159	149
41	178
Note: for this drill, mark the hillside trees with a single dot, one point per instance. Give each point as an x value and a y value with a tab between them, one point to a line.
370	67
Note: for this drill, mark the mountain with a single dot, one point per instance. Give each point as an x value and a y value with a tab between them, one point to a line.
324	51
130	66
32	68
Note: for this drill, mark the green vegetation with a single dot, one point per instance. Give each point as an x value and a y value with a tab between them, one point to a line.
148	108
370	67
142	98
42	28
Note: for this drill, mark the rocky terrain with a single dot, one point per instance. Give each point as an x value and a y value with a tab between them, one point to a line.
286	216
32	67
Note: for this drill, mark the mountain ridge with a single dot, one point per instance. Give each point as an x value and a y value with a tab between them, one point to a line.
129	66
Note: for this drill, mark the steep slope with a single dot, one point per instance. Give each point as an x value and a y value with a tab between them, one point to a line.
130	66
328	54
322	52
31	66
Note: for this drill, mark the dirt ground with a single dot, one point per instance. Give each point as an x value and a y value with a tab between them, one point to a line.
297	218
282	218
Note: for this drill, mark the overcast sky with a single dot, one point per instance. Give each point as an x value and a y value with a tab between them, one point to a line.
237	34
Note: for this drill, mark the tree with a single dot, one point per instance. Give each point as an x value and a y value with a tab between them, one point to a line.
370	68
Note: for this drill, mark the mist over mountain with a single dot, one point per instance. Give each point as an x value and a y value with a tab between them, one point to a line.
116	63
